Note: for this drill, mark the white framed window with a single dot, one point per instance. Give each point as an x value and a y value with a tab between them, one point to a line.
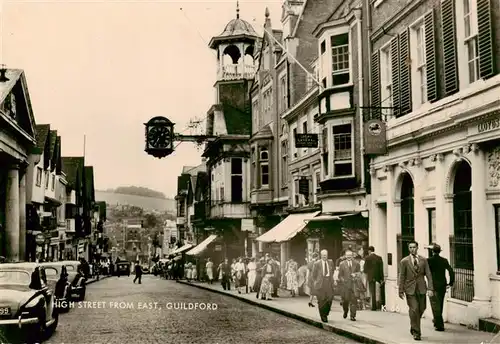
340	59
296	195
283	104
264	167
342	144
284	163
419	63
316	186
255	115
47	179
294	149
39	173
467	32
386	76
53	184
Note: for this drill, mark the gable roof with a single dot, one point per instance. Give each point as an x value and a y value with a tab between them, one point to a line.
17	85
182	183
41	135
53	139
70	166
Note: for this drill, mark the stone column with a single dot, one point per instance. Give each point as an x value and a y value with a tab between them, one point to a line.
283	255
12	214
483	236
22	216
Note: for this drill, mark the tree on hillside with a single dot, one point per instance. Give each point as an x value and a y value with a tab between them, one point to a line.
139	191
150	221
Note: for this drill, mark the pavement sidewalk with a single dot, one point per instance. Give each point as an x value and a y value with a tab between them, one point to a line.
370	327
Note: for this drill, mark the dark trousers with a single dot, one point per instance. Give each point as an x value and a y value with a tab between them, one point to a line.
325	298
276	285
372	286
349	303
437	302
416	304
226	282
138	277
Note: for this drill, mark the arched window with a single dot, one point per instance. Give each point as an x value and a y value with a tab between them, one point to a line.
462	254
407	214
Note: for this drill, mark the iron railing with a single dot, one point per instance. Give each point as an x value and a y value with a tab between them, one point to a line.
462	260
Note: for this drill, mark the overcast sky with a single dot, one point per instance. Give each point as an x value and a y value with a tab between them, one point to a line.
103	68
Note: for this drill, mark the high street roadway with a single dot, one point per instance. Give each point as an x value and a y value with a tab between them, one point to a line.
118	311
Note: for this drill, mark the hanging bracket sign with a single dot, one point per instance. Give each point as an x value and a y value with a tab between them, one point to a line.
306	141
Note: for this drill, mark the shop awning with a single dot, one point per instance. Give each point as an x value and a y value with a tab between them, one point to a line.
325	218
202	246
182	249
288	228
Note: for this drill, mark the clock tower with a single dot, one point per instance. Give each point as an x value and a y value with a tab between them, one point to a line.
235	47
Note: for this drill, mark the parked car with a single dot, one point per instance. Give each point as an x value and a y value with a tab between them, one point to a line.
122	268
62	288
77	280
27	301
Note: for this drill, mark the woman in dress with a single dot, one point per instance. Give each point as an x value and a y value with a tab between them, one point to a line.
252	267
266	287
210	270
302	278
194	271
292	283
233	271
310	282
189	272
241	280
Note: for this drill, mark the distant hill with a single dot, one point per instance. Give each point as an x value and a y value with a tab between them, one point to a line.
137	191
147	203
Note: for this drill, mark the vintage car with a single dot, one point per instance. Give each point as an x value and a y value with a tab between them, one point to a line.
27	301
62	286
122	268
77	280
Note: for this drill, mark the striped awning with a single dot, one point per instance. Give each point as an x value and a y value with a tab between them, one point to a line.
288	228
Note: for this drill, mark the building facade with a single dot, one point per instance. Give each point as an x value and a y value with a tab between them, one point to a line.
17	149
435	66
342	97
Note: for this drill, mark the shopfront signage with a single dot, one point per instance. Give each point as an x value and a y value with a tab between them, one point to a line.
488	125
306	141
375	137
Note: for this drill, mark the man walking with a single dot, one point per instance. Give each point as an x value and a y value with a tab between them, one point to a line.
347	275
225	274
322	276
438	266
413	269
138	272
276	280
374	269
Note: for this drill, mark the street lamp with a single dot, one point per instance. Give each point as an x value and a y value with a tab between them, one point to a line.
160	137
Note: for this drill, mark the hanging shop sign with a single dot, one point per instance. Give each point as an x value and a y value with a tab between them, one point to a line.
306	141
375	137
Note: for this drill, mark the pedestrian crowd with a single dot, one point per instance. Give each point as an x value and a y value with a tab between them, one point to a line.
356	277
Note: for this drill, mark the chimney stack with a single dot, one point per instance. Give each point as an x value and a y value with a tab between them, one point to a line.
3	77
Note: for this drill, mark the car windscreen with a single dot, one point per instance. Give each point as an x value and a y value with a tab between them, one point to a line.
14	277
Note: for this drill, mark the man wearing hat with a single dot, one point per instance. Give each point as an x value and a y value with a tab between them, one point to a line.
438	266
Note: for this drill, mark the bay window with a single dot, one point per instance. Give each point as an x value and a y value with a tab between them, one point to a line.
236	180
340	59
342	150
325	150
264	167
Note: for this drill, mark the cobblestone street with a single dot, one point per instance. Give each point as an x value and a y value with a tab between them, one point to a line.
232	322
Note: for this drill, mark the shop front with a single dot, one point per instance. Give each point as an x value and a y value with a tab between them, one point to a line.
445	189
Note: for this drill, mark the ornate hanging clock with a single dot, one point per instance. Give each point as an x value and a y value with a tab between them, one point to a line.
159	137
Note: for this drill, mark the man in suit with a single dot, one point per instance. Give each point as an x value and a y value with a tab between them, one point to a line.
347	273
374	269
413	269
438	266
322	276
